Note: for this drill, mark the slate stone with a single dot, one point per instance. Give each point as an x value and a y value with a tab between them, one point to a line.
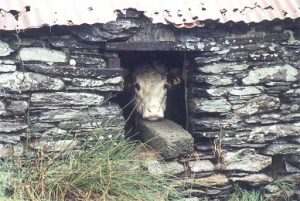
188	199
236	93
213	123
94	52
26	42
27	81
14	107
272	132
214	80
45	100
261	55
292	95
245	91
218	193
291	178
70	42
5	49
203	105
105	121
2	108
104	112
241	142
220	91
7	66
82	59
246	160
254	37
166	137
119	30
235	56
42	54
201	166
39	127
12	138
109	84
272	118
7	150
4	152
71	71
253	179
260	104
207	60
223	68
12	125
282	149
160	168
290	168
295	107
210	181
276	73
238	101
150	32
53	134
276	87
203	147
5	94
113	125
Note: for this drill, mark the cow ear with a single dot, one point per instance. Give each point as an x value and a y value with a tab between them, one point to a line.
175	77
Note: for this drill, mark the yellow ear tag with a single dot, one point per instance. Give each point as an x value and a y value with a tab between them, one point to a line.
176	81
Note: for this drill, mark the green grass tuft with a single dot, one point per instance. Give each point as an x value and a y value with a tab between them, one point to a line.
108	170
240	194
285	191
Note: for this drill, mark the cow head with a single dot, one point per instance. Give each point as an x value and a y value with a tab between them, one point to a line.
151	82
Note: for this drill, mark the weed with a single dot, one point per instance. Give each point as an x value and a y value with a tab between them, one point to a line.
218	149
240	194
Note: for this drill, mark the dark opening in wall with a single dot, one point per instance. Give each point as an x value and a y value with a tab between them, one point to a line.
176	106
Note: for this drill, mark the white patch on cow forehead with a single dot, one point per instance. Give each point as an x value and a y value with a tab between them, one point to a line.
151	78
151	94
151	87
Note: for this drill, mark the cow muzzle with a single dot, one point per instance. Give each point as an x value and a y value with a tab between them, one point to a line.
153	114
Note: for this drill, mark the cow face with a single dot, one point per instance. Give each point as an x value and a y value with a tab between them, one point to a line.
150	90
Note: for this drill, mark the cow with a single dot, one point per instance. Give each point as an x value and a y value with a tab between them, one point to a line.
151	81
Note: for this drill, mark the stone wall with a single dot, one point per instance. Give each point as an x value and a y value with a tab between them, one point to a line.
243	95
54	90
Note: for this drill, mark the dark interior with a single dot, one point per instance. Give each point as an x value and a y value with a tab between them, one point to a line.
176	107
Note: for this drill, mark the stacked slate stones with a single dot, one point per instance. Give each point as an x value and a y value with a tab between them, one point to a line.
54	87
244	96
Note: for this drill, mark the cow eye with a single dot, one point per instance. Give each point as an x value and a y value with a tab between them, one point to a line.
137	86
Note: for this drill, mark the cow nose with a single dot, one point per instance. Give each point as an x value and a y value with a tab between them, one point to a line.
154	118
153	115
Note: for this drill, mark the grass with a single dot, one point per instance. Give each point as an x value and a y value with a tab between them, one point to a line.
244	195
108	170
284	193
285	190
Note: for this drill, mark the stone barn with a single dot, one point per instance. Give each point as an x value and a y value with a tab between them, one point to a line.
63	63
